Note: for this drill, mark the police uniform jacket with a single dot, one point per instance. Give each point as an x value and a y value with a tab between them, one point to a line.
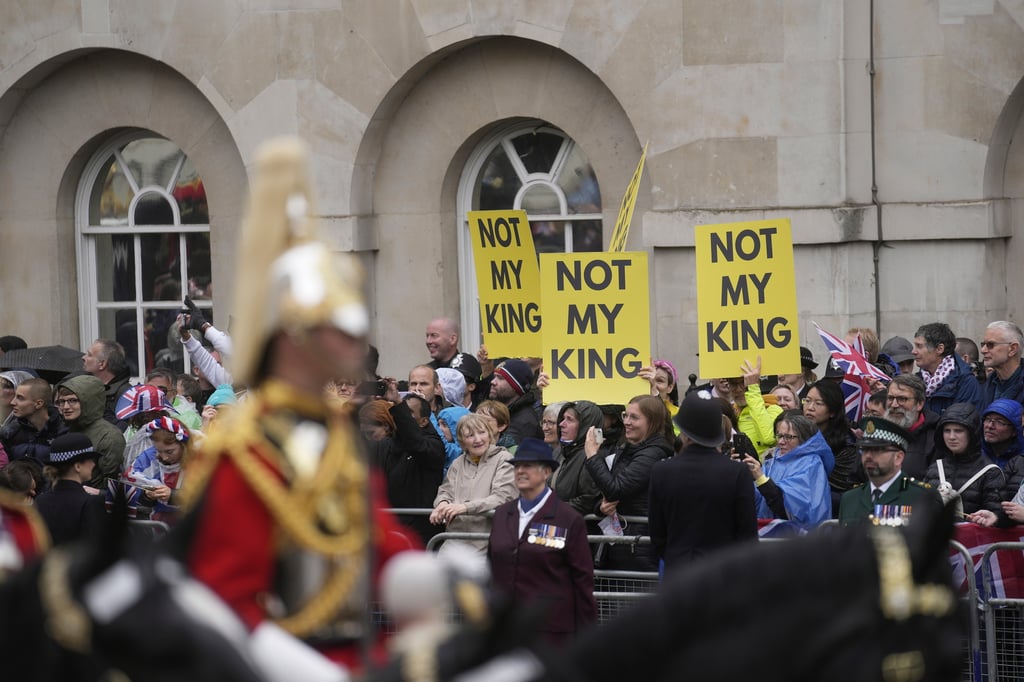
555	571
857	505
69	512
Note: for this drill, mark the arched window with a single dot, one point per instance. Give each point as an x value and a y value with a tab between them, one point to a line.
143	231
537	168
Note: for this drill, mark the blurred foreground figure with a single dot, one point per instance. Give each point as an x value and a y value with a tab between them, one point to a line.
859	604
279	490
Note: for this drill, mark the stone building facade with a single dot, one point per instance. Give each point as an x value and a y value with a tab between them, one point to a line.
905	186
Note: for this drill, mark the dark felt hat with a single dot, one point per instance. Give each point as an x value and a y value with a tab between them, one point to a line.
700	420
534	450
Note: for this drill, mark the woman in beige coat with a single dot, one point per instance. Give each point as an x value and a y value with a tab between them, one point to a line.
478	481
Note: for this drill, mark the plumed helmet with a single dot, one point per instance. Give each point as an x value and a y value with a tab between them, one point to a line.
287	279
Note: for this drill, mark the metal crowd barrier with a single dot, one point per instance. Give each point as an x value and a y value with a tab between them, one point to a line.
1004	622
1001	638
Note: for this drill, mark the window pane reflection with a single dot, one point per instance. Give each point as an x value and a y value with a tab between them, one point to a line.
151	160
541	199
115	267
586	235
153	209
498	183
538	150
548	236
191	196
161	267
197	250
122	326
578	181
110	196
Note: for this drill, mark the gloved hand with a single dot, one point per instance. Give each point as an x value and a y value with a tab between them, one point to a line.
194	318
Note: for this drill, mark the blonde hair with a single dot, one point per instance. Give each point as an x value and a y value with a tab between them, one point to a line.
472	423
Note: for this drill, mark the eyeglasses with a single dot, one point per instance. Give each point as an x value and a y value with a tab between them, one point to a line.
997	421
814	403
899	399
787	437
548	423
627	417
993	344
65	401
6	385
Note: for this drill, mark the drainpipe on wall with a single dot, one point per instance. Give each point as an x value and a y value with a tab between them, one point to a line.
879	242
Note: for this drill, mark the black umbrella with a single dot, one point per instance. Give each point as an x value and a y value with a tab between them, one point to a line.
52	363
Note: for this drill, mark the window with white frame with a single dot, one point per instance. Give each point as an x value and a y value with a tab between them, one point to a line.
537	168
143	233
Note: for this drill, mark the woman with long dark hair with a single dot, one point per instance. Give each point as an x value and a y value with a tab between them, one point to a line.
825	405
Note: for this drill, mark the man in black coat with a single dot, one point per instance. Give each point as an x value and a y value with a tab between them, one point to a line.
412	461
700	500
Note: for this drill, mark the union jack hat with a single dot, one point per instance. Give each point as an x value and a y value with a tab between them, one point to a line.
176	428
142	398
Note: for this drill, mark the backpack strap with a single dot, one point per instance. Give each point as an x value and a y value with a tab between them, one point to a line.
973	478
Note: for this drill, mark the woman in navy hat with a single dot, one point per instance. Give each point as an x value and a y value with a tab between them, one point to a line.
67	509
538	549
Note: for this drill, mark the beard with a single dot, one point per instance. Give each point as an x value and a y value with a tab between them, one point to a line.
904	420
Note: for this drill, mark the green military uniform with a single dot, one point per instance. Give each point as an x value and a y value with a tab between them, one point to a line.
896	505
902	497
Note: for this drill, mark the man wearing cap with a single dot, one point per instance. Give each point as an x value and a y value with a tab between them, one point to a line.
890	497
67	509
801	383
443	346
513	384
1001	352
901	352
700	500
538	548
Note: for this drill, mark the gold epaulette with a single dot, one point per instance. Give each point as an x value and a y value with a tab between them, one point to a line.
919	484
326	513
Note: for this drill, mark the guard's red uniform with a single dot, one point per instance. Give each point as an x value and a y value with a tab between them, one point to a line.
22	530
257	514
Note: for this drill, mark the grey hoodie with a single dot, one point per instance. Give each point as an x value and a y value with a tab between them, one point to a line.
105	437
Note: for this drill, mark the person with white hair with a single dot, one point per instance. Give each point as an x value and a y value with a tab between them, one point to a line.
1001	354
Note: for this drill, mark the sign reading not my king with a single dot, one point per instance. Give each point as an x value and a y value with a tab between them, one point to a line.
746	298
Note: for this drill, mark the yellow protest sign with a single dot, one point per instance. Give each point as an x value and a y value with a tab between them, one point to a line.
746	298
621	231
508	282
597	330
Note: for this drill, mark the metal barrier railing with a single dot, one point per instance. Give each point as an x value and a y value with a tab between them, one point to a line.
1004	622
616	590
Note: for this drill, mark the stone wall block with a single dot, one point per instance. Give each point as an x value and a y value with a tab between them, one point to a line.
349	66
733	31
247	60
717	173
594	29
198	30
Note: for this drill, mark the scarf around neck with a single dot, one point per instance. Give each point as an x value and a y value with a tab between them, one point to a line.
933	381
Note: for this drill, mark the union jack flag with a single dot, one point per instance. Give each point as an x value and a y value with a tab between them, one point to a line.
855	366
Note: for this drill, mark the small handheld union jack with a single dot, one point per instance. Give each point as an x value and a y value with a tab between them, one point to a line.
855	367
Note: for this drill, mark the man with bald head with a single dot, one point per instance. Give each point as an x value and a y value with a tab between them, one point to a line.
442	341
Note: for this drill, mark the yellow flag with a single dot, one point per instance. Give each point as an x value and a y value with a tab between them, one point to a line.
618	242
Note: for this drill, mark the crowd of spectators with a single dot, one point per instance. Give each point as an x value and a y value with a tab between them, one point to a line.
694	472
